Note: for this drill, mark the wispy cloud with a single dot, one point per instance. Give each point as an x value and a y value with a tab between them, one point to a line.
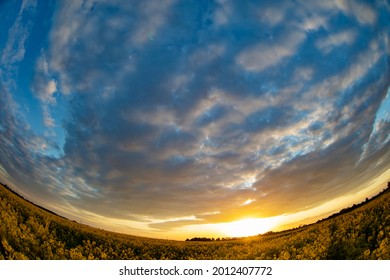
14	50
266	54
333	41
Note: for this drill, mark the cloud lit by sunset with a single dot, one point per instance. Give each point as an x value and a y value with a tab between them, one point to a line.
186	118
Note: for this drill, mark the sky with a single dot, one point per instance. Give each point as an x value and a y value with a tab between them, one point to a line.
174	119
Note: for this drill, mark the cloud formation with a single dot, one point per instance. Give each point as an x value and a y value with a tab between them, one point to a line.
18	33
180	109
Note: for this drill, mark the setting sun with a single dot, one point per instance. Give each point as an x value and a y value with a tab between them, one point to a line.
248	227
213	119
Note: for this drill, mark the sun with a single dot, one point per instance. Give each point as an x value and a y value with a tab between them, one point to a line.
248	227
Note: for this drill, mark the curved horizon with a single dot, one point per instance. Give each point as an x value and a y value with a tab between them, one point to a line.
171	119
241	226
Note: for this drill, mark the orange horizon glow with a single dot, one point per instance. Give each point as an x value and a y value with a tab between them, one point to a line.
241	227
244	118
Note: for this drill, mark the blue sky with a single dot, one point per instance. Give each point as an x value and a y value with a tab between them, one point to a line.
173	113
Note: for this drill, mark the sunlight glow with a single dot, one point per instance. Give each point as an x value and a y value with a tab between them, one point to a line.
248	227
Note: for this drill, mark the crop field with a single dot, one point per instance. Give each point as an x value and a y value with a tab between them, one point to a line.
30	232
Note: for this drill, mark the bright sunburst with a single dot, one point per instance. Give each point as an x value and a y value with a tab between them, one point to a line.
167	119
248	227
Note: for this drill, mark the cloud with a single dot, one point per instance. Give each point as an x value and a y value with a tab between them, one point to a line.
17	138
272	15
153	17
194	108
14	50
335	40
223	12
182	129
363	12
47	119
44	87
263	55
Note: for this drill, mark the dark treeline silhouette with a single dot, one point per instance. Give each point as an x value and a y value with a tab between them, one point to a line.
355	206
214	239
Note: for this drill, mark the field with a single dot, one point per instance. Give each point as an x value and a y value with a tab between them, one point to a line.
30	232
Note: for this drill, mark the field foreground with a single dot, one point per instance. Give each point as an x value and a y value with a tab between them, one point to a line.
30	232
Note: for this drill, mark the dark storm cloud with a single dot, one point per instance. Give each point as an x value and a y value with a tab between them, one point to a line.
179	109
